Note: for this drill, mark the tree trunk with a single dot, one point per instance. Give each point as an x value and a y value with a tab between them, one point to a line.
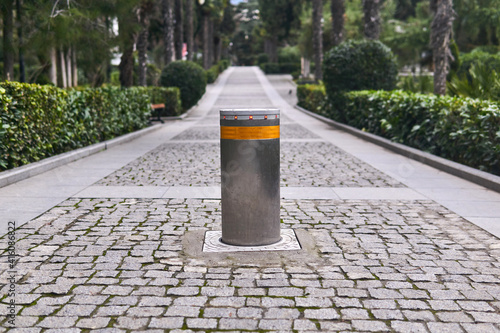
318	38
22	69
206	41
179	31
127	41
270	47
53	66
337	8
74	67
126	67
69	69
189	30
371	11
62	64
142	44
8	39
441	30
217	49
168	29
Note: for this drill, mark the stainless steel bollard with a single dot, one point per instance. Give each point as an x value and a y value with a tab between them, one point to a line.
250	184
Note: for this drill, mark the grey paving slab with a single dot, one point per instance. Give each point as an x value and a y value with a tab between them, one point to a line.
379	193
122	192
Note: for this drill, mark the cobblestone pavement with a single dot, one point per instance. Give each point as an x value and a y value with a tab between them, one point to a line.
309	162
133	265
376	266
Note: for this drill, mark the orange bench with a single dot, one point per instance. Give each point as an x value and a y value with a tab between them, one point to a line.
158	108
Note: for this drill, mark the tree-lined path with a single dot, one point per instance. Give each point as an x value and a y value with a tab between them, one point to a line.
113	242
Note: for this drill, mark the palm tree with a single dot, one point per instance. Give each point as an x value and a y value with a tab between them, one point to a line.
145	11
8	39
371	18
441	30
179	31
168	29
189	29
337	8
318	37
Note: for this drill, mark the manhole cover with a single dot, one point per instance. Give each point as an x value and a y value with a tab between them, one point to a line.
288	242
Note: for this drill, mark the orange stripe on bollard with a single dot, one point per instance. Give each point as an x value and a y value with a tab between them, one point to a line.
249	133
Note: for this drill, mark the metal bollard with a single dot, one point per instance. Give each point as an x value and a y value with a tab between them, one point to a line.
250	184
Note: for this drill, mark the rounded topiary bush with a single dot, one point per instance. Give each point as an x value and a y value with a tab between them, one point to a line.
189	77
359	65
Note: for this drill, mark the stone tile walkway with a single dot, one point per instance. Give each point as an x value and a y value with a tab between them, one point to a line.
123	255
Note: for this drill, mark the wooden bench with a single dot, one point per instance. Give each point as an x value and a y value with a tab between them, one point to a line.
158	108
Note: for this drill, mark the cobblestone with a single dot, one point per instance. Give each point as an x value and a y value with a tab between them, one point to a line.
122	265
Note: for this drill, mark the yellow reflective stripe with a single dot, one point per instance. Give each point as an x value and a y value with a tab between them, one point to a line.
250	133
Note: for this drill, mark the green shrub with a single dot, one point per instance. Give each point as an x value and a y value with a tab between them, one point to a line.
274	68
418	84
224	64
212	73
40	121
289	54
189	77
359	65
467	60
460	129
262	58
32	119
170	96
311	97
479	82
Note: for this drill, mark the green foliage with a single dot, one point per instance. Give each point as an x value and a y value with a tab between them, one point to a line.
224	64
262	58
170	96
41	121
212	73
460	129
479	57
189	77
285	68
423	84
311	97
279	17
358	65
289	55
479	82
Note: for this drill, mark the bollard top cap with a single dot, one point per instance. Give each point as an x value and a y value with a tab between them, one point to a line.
249	112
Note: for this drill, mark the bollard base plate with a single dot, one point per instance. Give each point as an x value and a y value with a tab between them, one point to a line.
288	242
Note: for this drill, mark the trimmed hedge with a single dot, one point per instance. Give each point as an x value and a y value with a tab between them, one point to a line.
41	121
275	68
464	130
170	96
189	77
359	65
311	97
212	73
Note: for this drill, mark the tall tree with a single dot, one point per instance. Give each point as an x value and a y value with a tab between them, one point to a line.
145	11
168	29
189	29
20	36
179	31
371	18
126	23
337	9
318	37
441	31
8	39
278	17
